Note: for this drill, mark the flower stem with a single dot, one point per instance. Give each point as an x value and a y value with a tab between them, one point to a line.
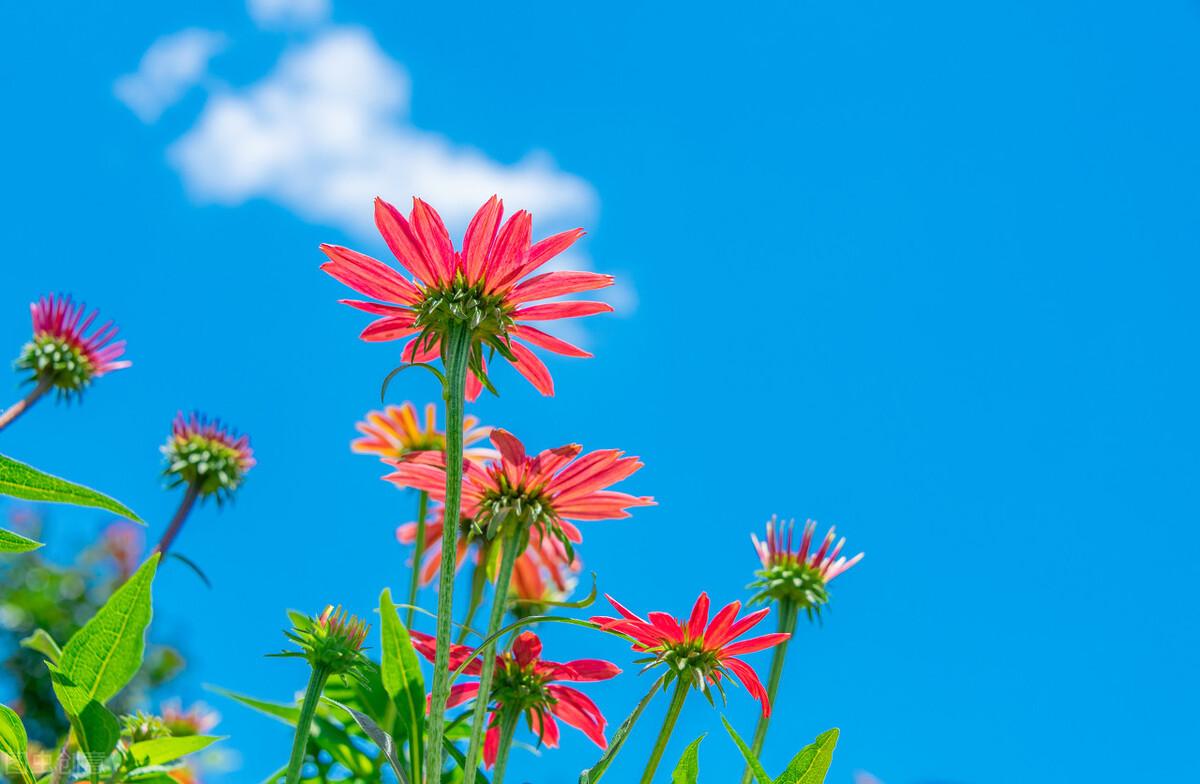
664	735
456	346
415	585
478	580
10	414
181	514
508	726
512	546
308	709
788	613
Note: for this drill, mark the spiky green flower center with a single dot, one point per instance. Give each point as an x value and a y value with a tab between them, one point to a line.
791	580
208	464
332	640
689	660
58	361
520	688
485	314
142	726
523	507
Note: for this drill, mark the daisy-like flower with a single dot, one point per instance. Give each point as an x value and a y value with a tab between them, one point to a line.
198	719
530	685
797	575
62	353
396	431
695	650
543	493
206	456
482	287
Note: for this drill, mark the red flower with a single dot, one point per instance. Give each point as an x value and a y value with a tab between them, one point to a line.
481	286
696	648
544	492
62	353
798	575
206	454
527	683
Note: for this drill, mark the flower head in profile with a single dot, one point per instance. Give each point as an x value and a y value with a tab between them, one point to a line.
396	431
527	683
798	575
206	455
482	287
65	352
544	492
696	650
198	719
332	640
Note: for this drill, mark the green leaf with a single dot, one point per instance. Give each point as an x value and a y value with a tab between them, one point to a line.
96	728
385	742
15	543
811	764
288	714
14	742
43	643
688	769
401	671
163	750
618	739
26	482
756	767
107	652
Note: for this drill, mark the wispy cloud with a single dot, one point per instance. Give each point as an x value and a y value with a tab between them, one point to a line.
288	13
168	68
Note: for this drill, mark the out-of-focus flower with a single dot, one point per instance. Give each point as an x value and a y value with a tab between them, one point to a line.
62	353
124	542
794	574
695	650
544	573
544	492
481	287
198	719
206	455
332	640
526	683
396	431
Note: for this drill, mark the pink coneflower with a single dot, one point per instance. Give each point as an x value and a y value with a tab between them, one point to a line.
528	685
62	354
198	719
544	492
696	650
482	287
207	455
798	575
396	430
124	542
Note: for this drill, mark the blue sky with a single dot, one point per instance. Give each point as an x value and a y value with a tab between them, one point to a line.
927	272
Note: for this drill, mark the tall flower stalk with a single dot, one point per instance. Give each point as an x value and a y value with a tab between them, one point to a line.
682	687
458	303
794	579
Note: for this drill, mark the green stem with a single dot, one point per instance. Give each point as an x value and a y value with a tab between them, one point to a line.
10	414
455	347
508	726
664	735
788	613
512	544
308	709
418	545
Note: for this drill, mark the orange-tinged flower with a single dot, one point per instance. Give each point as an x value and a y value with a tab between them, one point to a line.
544	492
527	683
483	287
198	719
696	649
396	431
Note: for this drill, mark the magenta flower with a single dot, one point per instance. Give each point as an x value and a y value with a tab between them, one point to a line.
798	575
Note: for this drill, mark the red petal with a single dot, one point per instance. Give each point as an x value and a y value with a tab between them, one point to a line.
574	708
754	644
699	617
481	233
434	237
511	449
402	241
555	284
589	670
559	310
509	251
745	673
548	342
532	368
369	276
389	328
527	648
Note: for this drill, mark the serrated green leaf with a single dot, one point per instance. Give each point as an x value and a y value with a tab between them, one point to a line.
14	742
756	767
401	673
810	765
11	542
107	652
26	482
163	750
43	643
688	769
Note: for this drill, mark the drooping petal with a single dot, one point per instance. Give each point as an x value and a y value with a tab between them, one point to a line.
389	328
588	670
575	708
491	742
532	368
754	644
460	693
745	673
548	342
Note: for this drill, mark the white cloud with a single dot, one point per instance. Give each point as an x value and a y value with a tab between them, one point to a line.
328	130
288	13
169	67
